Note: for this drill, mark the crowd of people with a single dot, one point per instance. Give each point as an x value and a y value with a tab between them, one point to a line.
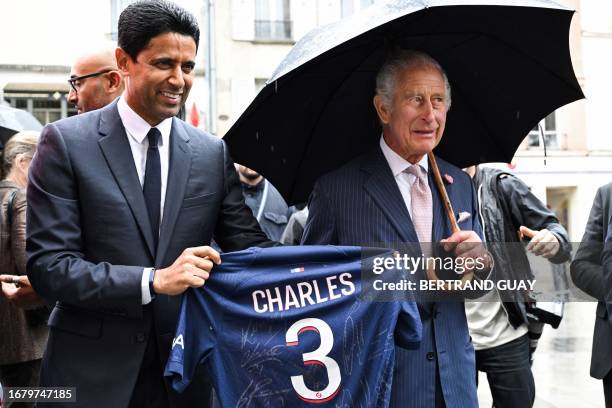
124	201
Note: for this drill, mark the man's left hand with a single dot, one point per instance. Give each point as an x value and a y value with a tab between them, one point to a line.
18	291
543	243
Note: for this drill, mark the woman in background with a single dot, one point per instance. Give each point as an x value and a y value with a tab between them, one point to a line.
22	313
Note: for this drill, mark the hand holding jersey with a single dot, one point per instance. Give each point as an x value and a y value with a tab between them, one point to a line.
190	270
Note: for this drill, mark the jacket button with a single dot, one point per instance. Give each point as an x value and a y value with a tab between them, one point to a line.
140	338
430	356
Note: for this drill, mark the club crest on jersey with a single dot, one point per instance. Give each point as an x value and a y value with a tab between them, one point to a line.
178	340
297	270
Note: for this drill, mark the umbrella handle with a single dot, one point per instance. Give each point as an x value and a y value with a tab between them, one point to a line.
431	273
442	190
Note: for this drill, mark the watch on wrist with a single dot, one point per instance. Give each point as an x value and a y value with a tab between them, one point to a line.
151	280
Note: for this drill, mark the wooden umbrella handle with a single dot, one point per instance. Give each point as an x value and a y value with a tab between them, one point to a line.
431	273
442	190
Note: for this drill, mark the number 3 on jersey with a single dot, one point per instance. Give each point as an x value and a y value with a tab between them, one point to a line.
319	357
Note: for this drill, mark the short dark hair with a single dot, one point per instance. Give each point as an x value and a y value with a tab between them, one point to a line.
145	19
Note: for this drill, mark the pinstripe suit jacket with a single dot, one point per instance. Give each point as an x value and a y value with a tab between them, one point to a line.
360	204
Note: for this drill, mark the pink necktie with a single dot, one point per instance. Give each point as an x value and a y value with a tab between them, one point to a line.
422	210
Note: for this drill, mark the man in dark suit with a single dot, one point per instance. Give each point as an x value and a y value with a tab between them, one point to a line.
587	273
387	196
123	202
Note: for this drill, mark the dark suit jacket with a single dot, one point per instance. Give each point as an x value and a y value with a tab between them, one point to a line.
361	204
587	274
89	238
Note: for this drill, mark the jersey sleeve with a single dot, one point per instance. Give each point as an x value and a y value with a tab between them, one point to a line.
193	342
408	329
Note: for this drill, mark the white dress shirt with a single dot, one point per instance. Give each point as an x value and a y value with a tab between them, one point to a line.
398	166
136	129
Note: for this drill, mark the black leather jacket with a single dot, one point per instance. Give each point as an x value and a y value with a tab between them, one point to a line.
505	204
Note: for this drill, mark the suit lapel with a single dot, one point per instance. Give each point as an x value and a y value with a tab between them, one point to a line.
178	174
118	154
383	189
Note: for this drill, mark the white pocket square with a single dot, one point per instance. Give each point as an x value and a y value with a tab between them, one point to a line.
462	216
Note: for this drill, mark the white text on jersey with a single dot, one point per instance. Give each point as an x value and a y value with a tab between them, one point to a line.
301	294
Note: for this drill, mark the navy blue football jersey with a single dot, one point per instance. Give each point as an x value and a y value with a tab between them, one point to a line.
284	327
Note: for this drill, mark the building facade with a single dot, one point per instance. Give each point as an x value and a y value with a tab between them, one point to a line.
41	39
251	39
579	140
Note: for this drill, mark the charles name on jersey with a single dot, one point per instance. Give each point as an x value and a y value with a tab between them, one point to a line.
301	294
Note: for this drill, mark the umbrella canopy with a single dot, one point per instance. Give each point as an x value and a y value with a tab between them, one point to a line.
508	63
15	120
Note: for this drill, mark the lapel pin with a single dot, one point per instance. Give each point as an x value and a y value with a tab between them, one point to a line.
448	179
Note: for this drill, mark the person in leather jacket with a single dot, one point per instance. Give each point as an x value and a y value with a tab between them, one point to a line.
499	329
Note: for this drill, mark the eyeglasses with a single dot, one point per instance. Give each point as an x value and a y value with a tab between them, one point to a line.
73	80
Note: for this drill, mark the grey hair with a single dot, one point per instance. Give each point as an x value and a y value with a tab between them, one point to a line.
386	79
21	143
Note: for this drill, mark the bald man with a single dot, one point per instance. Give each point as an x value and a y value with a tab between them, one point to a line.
94	81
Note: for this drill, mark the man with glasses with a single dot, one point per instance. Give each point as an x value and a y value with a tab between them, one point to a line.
94	81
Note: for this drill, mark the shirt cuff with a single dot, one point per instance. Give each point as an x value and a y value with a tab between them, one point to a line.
144	286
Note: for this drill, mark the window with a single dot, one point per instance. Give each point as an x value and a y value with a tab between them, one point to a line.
47	110
117	6
46	107
548	127
352	6
272	20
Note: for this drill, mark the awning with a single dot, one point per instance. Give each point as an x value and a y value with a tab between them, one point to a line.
36	87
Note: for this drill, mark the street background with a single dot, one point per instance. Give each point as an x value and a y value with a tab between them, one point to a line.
561	365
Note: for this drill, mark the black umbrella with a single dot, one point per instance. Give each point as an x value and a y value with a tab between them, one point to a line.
508	63
15	120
